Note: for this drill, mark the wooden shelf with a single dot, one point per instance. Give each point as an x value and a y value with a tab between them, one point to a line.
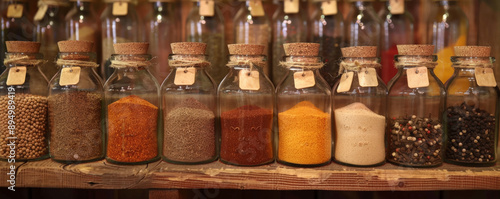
162	175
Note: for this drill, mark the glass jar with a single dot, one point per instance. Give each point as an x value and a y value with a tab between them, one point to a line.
132	107
416	98
189	102
205	24
75	105
359	106
289	25
304	111
397	28
246	98
252	26
471	116
448	27
328	30
363	24
23	101
119	22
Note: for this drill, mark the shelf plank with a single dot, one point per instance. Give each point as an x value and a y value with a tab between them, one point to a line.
162	175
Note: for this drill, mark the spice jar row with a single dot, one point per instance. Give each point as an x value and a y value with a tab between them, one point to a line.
246	121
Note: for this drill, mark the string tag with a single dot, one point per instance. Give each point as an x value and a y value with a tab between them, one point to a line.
485	77
345	82
397	6
304	79
185	76
291	6
41	12
249	80
367	77
256	8
120	8
329	7
207	8
17	76
70	76
15	11
417	77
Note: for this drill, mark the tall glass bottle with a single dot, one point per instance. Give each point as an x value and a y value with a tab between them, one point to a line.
363	24
205	24
289	25
328	30
162	29
448	27
397	28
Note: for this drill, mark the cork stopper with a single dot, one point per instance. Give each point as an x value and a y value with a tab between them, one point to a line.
301	49
22	46
188	48
246	49
472	51
415	49
70	46
359	51
131	48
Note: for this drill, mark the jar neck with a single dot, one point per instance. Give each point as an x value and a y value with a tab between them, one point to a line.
239	62
130	62
183	61
303	62
472	62
410	61
354	64
23	59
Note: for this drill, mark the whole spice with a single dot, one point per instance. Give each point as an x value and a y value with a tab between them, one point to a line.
30	126
75	126
246	135
470	134
132	130
415	141
304	135
189	132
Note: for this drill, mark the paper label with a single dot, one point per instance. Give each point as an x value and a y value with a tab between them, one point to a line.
185	76
304	79
345	82
367	77
120	8
485	77
417	77
256	8
329	7
41	12
249	80
291	6
70	76
397	6
207	8
15	11
17	76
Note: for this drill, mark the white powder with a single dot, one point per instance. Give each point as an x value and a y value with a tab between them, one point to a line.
360	135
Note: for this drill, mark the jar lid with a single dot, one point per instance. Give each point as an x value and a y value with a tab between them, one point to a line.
246	49
359	51
22	46
472	51
70	46
301	49
131	48
188	48
415	49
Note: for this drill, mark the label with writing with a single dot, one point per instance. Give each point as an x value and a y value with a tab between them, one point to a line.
17	76
256	8
120	8
207	8
304	79
485	77
15	11
249	80
41	12
291	6
329	7
70	76
397	6
417	77
367	77
185	76
345	82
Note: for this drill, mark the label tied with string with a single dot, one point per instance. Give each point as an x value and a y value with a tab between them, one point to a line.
367	77
417	77
120	8
15	11
329	7
70	76
256	8
185	76
397	6
291	6
304	79
207	8
345	82
485	77
17	76
249	80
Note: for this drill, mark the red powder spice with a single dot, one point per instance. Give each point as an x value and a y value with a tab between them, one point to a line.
388	68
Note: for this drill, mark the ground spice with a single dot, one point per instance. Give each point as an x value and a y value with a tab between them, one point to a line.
30	126
246	134
75	126
132	130
304	135
189	132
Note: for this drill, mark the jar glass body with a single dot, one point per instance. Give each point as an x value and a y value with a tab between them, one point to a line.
246	115
414	127
471	117
132	113
24	106
363	25
304	119
359	116
189	115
